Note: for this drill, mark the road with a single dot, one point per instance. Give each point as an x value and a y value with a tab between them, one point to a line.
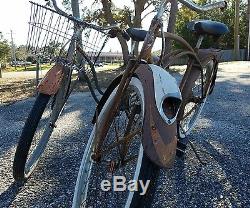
32	74
221	137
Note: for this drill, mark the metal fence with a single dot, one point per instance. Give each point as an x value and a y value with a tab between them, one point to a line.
226	56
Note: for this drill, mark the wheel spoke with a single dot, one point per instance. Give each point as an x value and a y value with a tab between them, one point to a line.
123	140
118	153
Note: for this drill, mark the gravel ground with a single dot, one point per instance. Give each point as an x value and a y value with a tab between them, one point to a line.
221	137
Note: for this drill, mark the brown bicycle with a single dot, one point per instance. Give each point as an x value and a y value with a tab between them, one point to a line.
74	45
143	114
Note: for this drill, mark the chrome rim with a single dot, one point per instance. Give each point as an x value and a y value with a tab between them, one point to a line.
91	173
40	139
193	109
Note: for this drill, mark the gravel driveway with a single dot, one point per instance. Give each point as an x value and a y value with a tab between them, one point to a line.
221	136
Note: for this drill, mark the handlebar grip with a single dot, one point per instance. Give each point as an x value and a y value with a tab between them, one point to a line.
114	32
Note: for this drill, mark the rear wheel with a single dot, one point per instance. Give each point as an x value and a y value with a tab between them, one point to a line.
192	98
122	156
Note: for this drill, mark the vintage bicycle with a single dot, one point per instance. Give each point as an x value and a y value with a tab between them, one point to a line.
74	45
143	114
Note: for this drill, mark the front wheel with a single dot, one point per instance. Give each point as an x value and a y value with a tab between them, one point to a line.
113	180
34	138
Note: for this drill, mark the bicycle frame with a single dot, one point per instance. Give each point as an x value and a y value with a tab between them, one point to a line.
126	77
132	70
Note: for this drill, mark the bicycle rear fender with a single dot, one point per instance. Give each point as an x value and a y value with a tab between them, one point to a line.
162	99
51	81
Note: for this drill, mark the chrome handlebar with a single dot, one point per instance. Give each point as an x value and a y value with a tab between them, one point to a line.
193	6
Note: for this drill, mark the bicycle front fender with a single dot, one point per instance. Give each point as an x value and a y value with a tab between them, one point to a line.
162	99
51	82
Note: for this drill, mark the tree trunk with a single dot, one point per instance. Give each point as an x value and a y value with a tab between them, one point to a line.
137	21
171	24
1	71
109	17
248	43
75	8
76	13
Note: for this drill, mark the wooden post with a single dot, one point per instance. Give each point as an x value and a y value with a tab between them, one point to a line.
37	72
13	49
236	30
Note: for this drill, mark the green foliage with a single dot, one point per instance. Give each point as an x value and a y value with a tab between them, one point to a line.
21	53
122	16
4	50
185	15
32	67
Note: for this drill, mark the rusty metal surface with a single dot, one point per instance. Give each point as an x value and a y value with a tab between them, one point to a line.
159	139
205	54
104	126
192	73
149	41
52	80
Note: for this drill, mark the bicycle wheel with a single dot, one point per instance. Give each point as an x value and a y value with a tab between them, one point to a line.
122	156
192	103
34	138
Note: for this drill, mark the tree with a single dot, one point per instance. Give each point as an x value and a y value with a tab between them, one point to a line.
21	53
4	52
108	14
171	23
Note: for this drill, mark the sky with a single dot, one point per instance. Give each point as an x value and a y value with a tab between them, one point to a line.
14	15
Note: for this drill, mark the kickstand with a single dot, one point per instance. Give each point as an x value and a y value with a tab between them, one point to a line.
196	153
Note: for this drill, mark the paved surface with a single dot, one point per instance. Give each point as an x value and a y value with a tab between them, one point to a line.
222	132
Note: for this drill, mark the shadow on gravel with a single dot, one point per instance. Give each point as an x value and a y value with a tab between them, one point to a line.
219	183
222	139
10	194
52	182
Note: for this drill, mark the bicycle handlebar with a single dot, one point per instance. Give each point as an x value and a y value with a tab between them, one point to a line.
190	4
81	22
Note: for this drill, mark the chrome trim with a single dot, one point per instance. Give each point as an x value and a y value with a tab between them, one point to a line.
207	7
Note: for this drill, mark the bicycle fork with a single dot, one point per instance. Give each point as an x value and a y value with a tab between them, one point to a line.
162	99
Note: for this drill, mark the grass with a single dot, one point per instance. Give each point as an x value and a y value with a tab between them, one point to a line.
15	89
28	68
48	66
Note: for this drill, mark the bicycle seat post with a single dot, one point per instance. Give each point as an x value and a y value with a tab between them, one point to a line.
199	42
